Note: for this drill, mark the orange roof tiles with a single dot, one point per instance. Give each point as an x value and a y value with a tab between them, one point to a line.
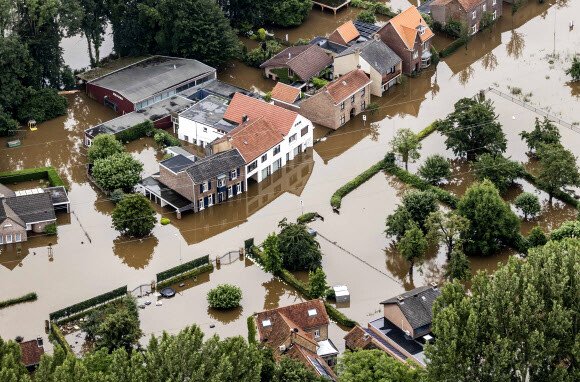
285	93
342	87
406	23
348	31
280	119
253	137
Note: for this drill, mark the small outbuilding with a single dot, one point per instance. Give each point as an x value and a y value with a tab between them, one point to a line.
341	293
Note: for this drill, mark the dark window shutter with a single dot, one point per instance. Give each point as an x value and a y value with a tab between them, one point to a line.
205	201
201	188
199	204
230	175
242	184
238	171
209	185
234	189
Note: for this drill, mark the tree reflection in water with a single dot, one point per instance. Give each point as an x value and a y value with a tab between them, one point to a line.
489	61
515	47
134	252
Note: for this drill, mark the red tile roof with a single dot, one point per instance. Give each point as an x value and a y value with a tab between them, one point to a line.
253	138
305	356
285	93
31	353
357	338
281	119
304	60
348	31
343	87
406	23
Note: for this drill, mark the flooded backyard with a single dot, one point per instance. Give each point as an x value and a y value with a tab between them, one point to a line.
88	257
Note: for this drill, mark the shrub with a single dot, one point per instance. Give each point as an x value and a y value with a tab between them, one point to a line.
261	34
51	229
373	107
568	229
451	48
251	330
42	105
302	41
336	198
165	221
435	168
134	216
537	237
224	296
184	276
104	145
501	171
453	28
140	130
13	301
367	16
117	195
8	126
427	19
84	305
318	82
306	218
248	244
25	175
268	97
164	139
161	276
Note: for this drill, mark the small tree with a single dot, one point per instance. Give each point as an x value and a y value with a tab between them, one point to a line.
413	245
367	16
317	283
273	261
559	169
104	145
528	203
574	70
407	144
120	327
537	237
415	208
134	216
544	133
501	171
487	21
448	228
458	267
300	251
435	168
224	296
119	170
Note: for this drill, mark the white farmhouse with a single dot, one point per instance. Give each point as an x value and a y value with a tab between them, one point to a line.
268	136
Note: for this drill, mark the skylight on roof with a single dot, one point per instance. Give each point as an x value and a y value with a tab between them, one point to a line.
266	323
312	312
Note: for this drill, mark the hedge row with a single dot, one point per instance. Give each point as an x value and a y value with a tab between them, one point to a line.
306	218
185	276
138	131
76	308
248	244
451	48
336	199
567	229
59	337
559	194
13	301
339	317
162	276
49	173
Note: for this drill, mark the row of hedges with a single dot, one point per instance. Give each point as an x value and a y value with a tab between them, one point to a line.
165	275
140	130
559	194
306	218
59	338
49	173
84	305
451	48
303	288
185	276
336	199
13	301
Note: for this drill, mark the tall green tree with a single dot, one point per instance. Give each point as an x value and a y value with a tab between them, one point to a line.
300	251
16	73
491	221
317	283
415	208
558	169
292	370
120	328
514	326
544	133
447	228
407	145
11	369
103	146
472	129
273	261
133	25
457	266
119	170
134	216
376	365
8	126
435	168
528	203
288	13
501	171
42	105
413	245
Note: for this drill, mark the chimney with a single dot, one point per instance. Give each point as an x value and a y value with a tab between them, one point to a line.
357	55
289	55
244	118
434	285
39	341
377	36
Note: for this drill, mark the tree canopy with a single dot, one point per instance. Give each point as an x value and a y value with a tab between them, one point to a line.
528	203
317	283
558	169
544	133
407	145
273	261
415	207
447	228
472	129
224	296
300	251
574	70
376	365
435	168
501	171
413	245
104	145
118	170
134	216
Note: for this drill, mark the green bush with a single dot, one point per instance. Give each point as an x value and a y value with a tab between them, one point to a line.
336	199
302	41
84	305
51	229
224	296
162	276
43	105
282	74
340	318
318	82
367	16
117	195
59	338
373	107
451	48
251	330
558	194
185	276
306	218
39	173
164	139
267	97
165	221
453	28
13	301
119	170
140	130
248	244
568	229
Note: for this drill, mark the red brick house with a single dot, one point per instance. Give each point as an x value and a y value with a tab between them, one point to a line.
469	12
410	37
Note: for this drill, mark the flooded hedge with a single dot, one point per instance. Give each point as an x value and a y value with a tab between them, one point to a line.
162	276
185	276
76	308
13	301
49	173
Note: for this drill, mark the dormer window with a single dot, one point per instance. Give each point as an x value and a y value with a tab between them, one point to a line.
266	323
421	28
312	312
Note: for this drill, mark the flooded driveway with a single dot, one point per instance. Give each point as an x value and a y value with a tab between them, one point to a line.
88	257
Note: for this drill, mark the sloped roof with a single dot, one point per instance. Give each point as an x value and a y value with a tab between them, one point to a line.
305	62
406	22
5	191
312	360
358	338
177	163
31	352
298	314
281	119
417	304
348	31
465	4
214	165
342	87
253	138
32	208
7	213
376	53
284	56
366	30
285	93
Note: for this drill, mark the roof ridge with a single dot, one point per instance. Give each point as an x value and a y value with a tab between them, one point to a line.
310	46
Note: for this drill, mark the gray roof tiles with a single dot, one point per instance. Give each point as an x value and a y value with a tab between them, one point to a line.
417	304
210	111
376	53
214	165
31	208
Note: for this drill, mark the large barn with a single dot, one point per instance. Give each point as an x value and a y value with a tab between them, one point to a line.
153	79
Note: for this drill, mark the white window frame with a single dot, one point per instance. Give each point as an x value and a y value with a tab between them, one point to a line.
473	15
342	120
484	8
494	2
276	150
415	54
201	204
210	200
474	29
8	239
1	239
204	187
239	188
342	105
317	333
230	192
292	138
494	14
352	99
362	92
221	182
234	174
264	157
17	237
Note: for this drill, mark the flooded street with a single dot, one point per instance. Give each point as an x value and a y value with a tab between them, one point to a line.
88	257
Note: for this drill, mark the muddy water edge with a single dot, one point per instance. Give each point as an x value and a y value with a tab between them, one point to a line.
88	257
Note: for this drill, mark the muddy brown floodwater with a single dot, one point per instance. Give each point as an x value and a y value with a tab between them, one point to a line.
88	257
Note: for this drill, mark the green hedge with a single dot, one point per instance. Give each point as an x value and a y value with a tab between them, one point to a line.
76	308
336	199
59	337
451	48
339	317
251	330
138	131
248	244
162	276
49	173
13	301
185	276
567	229
559	194
306	218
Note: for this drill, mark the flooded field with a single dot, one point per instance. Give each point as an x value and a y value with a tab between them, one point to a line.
88	257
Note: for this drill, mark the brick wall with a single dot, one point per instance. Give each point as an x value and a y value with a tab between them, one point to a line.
180	183
390	37
197	195
13	229
323	332
337	38
39	227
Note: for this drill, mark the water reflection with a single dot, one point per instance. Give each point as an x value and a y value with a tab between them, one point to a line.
225	316
489	61
516	44
135	253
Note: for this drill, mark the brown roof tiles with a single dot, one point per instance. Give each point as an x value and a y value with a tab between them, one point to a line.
285	93
406	23
343	87
31	352
305	60
348	31
253	137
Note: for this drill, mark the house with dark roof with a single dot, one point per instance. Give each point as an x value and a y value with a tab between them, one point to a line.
297	64
376	59
338	101
267	136
410	37
148	81
32	351
469	12
403	330
353	31
186	184
300	331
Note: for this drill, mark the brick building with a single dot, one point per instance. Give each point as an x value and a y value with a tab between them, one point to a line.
469	12
410	37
